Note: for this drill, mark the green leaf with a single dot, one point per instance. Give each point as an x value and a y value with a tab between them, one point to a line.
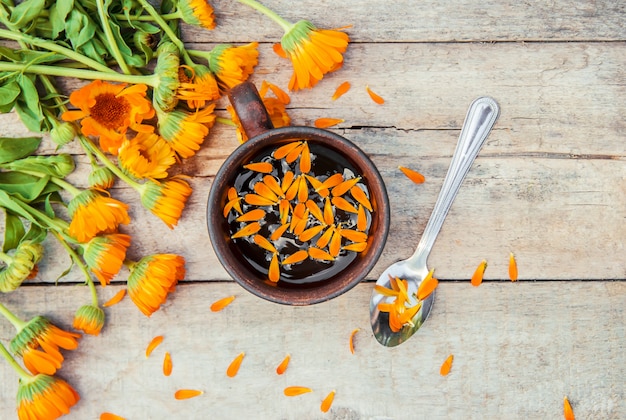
35	233
13	231
26	12
8	95
28	106
58	14
79	29
58	166
9	203
16	148
23	186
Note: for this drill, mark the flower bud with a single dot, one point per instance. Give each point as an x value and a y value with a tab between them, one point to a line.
101	178
89	319
63	133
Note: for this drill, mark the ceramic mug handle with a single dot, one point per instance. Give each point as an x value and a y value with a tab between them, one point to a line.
250	109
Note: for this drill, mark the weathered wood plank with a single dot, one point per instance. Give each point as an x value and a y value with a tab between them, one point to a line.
512	358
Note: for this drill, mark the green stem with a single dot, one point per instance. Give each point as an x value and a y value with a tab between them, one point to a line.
25	376
51	46
147	18
286	25
10	316
226	121
43	220
150	80
76	258
115	50
88	145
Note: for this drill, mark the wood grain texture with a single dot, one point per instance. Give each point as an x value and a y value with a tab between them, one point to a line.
512	359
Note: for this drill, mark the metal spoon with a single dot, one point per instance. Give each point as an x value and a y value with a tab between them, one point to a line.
481	117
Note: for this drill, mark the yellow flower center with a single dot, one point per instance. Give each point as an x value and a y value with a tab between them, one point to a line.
110	111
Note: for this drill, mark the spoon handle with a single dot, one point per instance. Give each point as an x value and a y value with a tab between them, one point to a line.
480	118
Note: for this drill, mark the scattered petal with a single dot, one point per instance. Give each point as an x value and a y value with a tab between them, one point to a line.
319	254
278	50
353	235
117	298
284	150
247	230
352	334
356	247
310	233
167	364
568	413
334	247
327	122
282	367
296	257
294	153
329	214
274	271
184	394
374	96
305	160
344	187
266	192
341	90
512	267
110	416
427	286
412	175
361	218
359	195
477	278
257	200
153	344
327	402
264	243
273	184
263	167
218	305
287	180
343	204
252	216
292	391
446	366
279	232
325	238
332	181
234	366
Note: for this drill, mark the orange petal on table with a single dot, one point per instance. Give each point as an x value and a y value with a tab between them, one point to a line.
278	50
320	254
110	416
332	181
273	273
296	257
327	402
344	187
282	367
315	210
412	175
261	241
184	394
512	267
325	238
329	214
292	391
360	196
273	185
327	122
220	304
252	216
305	159
263	167
167	364
356	247
234	366
568	413
334	247
427	286
361	218
341	90
343	204
446	366
351	342
477	277
266	192
294	153
353	235
279	232
117	298
310	233
247	230
374	96
287	180
257	200
284	150
153	344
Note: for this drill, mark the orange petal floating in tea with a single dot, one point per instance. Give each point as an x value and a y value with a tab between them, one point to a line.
334	247
343	204
512	267
167	364
360	196
257	200
344	186
232	193
117	298
234	366
351	342
332	181
263	167
427	286
273	273
283	210
327	122
305	159
310	233
153	344
232	204
293	189
356	247
273	185
247	230
284	150
265	192
325	238
292	391
301	225
287	180
353	235
341	90
446	366
568	413
294	153
412	175
282	367
320	254
361	218
303	190
477	277
110	416
220	304
329	214
279	232
296	257
264	243
375	97
184	394
315	210
327	402
252	216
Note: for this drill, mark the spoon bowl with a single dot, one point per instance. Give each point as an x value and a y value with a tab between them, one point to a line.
481	117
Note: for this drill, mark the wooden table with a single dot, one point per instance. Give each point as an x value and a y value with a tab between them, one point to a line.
549	186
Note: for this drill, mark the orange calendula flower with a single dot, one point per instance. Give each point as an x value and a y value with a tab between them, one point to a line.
19	264
282	367
166	199
153	278
38	342
198	87
154	343
222	303
89	319
117	298
512	267
146	156
197	12
231	64
446	366
186	131
184	394
313	52
44	397
92	212
108	110
234	366
105	255
292	391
